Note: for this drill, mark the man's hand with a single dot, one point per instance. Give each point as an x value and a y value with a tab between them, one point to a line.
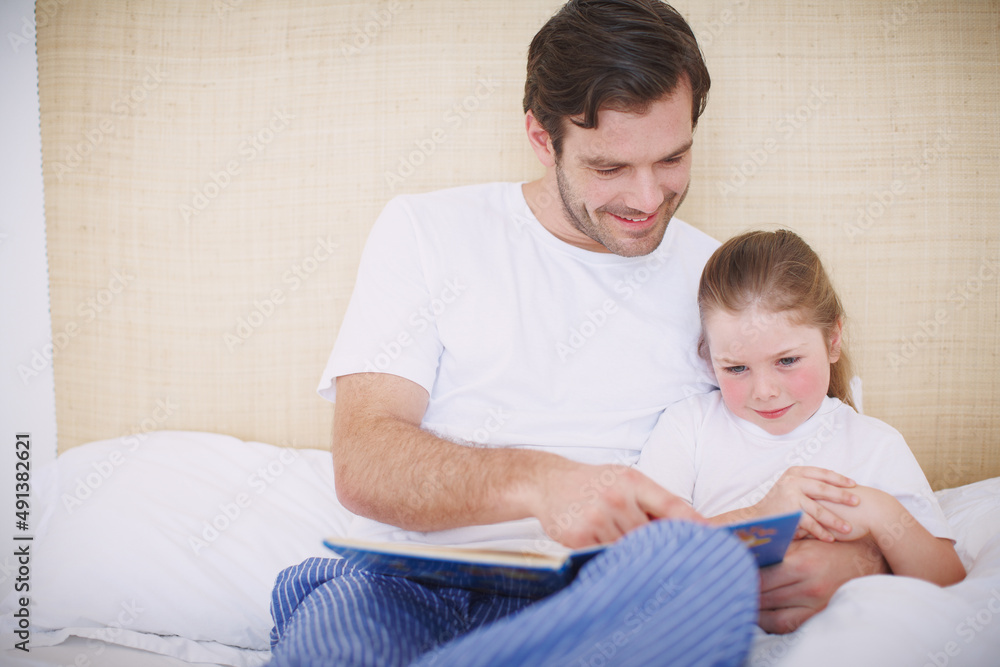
795	589
581	505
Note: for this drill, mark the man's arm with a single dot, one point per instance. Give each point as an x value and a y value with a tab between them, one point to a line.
387	468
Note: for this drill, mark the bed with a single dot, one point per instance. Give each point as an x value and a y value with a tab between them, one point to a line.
211	171
136	567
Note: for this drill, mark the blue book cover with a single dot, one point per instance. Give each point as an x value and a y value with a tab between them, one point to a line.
524	573
767	538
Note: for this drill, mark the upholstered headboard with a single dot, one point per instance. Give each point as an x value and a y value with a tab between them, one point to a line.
212	169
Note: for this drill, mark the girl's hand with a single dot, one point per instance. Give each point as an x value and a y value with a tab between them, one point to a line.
878	514
801	488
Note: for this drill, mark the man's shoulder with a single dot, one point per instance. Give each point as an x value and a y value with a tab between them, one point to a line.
685	249
480	195
467	211
685	235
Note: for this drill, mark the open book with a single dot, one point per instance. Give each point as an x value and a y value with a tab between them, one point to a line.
527	573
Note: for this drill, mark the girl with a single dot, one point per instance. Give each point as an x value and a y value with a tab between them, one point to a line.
767	442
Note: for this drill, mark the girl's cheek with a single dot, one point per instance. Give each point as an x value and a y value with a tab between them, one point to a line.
731	391
808	381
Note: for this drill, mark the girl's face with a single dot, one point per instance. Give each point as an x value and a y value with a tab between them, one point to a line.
773	372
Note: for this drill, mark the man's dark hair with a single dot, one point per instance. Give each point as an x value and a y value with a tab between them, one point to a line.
610	54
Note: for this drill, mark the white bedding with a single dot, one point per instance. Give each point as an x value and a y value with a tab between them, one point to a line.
886	620
162	548
76	651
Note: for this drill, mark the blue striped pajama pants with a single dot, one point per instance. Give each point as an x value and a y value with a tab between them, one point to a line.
670	593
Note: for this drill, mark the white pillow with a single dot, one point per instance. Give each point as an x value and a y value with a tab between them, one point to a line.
973	511
177	534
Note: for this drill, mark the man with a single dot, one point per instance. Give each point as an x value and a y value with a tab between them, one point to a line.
506	352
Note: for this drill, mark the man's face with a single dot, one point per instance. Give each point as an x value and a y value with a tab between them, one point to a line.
621	182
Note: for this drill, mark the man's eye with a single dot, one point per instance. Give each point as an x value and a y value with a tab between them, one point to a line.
609	172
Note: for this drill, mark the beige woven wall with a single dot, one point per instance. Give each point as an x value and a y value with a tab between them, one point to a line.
212	170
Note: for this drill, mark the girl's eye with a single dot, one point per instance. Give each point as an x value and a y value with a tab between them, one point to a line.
736	370
787	361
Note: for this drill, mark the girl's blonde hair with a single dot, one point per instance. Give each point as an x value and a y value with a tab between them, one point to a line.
776	272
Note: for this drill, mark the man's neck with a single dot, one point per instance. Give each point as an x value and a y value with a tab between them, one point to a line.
542	197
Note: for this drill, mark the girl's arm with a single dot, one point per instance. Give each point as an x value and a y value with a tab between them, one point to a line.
804	488
908	547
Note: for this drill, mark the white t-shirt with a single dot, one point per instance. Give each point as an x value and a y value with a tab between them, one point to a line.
519	338
719	462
